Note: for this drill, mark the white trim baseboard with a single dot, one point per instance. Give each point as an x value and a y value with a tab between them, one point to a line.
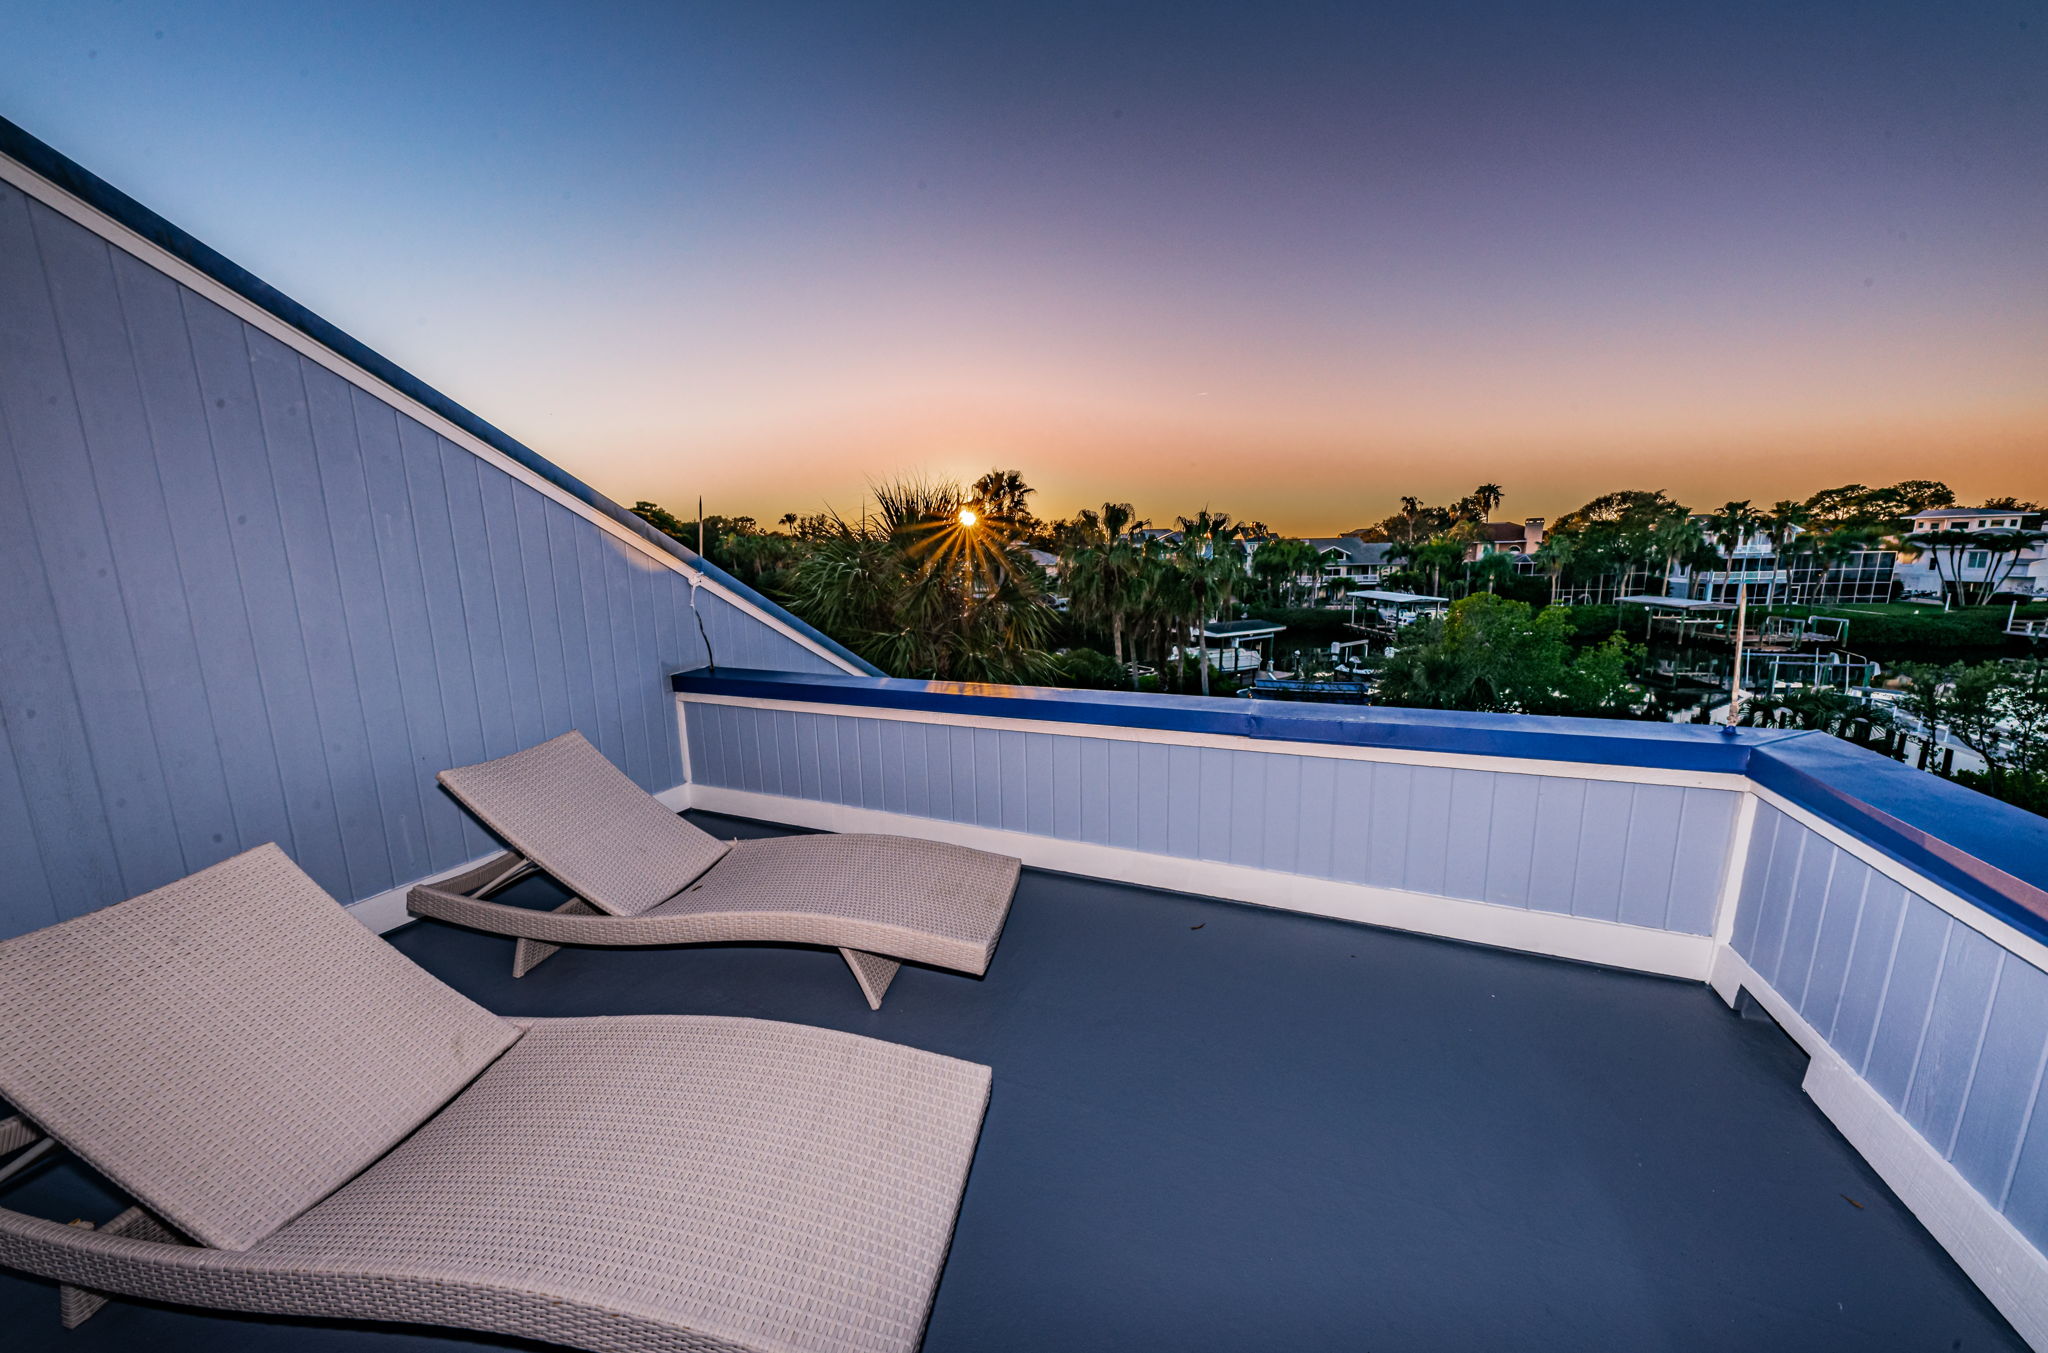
2001	1261
385	911
1537	932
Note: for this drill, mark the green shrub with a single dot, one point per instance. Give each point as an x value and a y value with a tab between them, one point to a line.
1306	625
1089	669
1490	653
2021	789
1594	624
1925	634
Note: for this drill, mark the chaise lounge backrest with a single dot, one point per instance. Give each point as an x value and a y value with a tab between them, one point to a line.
233	1047
576	815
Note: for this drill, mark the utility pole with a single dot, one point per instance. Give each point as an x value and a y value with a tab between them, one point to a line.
1735	677
700	525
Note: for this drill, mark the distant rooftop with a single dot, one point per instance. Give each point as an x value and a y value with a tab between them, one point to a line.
1943	513
1355	551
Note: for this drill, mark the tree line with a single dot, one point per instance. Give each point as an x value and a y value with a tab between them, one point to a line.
947	581
1636	537
913	587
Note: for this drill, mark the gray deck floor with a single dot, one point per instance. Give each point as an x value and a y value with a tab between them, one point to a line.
1220	1128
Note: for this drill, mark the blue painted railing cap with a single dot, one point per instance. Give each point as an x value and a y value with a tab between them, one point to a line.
1992	853
1591	741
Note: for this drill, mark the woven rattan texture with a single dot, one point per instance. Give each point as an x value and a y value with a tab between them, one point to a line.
873	972
948	902
918	900
231	1047
530	954
773	1185
246	1281
576	815
15	1133
76	1305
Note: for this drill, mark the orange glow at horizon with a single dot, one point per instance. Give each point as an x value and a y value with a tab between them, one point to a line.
1304	474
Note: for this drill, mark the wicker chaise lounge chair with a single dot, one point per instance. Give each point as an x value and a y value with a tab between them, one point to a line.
310	1125
641	875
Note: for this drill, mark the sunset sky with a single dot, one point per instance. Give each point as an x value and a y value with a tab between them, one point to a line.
1290	261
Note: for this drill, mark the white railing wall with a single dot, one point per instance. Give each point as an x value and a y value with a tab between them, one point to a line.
1621	865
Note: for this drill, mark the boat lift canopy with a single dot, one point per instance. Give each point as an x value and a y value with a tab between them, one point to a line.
1396	598
1674	603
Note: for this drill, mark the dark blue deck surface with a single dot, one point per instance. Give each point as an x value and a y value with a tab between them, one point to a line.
1220	1128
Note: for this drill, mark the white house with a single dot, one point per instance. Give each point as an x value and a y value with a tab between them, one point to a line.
1753	565
1770	576
1349	565
2024	573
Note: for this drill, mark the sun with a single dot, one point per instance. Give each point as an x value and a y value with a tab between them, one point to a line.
968	516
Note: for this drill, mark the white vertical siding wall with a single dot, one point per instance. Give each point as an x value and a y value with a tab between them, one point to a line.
1948	1026
1640	854
242	600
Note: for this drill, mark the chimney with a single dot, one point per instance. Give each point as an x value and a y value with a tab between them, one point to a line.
1532	534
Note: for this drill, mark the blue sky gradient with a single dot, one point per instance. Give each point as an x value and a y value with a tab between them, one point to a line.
1287	260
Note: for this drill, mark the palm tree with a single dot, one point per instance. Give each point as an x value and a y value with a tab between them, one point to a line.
1730	528
1166	600
1435	554
2006	544
1554	556
1783	524
1733	524
1486	498
1822	710
1102	565
1411	508
1834	548
1281	564
1677	538
1001	494
1493	568
1946	544
922	590
1209	555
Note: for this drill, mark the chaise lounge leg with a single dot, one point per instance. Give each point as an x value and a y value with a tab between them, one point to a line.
873	972
527	954
76	1305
